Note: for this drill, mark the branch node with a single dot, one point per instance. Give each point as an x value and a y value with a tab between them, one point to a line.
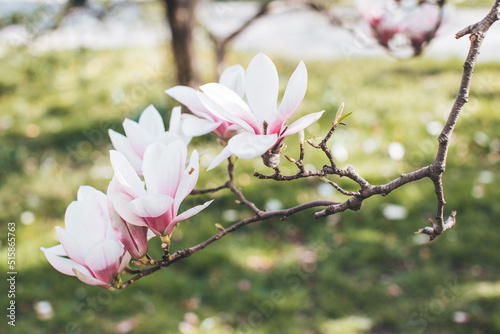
434	230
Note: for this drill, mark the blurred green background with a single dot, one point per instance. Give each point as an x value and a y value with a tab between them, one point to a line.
356	272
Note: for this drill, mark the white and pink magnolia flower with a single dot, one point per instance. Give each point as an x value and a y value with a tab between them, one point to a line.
149	129
89	249
167	181
422	23
384	21
262	121
415	22
233	78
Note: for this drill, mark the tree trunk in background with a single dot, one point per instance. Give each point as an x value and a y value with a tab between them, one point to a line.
181	18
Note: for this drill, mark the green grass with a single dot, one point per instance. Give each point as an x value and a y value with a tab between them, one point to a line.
357	272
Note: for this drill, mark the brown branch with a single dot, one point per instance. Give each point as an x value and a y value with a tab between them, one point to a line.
261	216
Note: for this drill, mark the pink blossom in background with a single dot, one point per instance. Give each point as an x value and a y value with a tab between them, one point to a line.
421	23
168	183
233	78
417	22
384	21
149	129
89	249
262	121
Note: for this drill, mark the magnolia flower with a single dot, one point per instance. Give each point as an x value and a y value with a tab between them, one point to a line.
167	185
233	78
421	24
89	249
263	122
384	22
149	129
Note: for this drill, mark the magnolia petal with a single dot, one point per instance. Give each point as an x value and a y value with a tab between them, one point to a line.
56	250
262	87
103	259
233	78
126	175
120	203
302	123
133	237
94	197
152	121
185	215
194	126
138	136
84	223
188	97
151	205
175	121
87	279
226	153
72	246
122	144
222	100
246	145
163	167
125	261
62	264
188	181
294	94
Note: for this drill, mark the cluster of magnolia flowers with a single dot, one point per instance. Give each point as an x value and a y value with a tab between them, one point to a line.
103	232
390	21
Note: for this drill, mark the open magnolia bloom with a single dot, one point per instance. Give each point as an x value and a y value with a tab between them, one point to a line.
89	249
263	123
149	129
167	183
233	78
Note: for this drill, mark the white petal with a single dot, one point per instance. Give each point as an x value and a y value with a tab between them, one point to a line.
152	121
153	205
194	126
88	279
185	215
122	144
125	261
138	136
125	174
226	153
223	101
103	259
72	247
189	180
302	123
120	203
62	264
84	223
163	167
246	145
233	78
262	87
175	121
188	97
294	94
56	250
